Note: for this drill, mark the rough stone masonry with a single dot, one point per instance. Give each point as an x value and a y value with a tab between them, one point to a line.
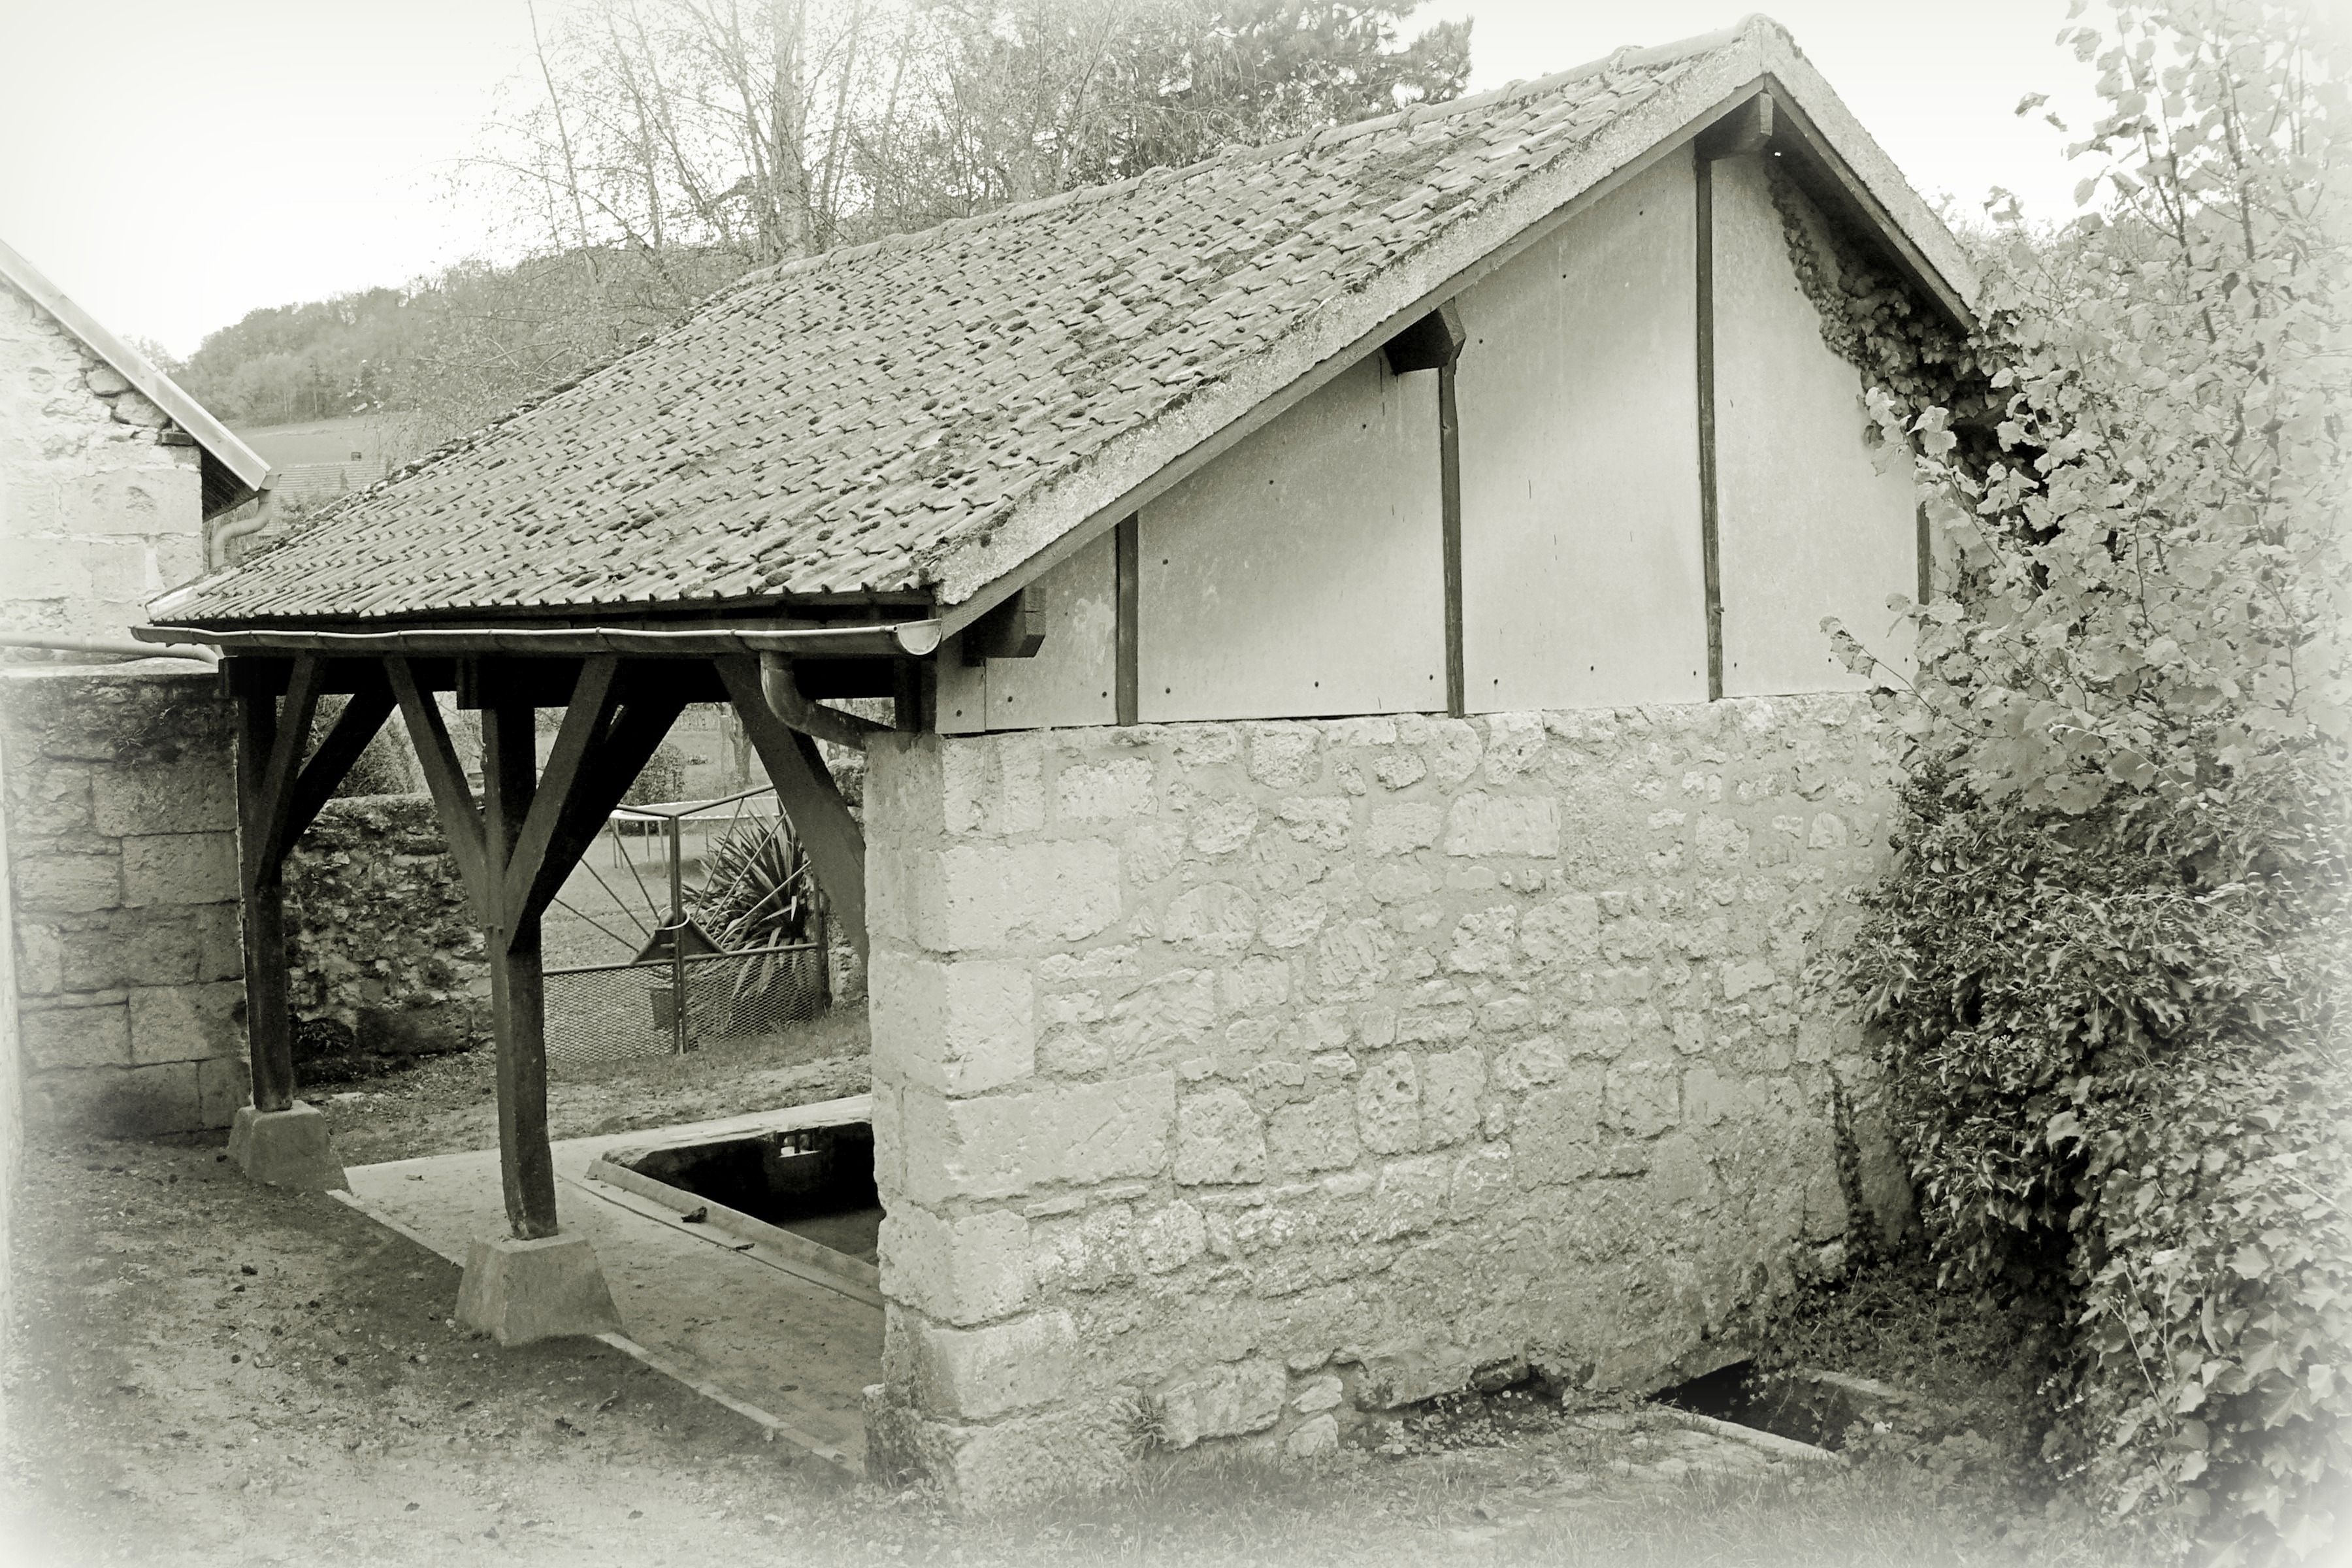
1242	1080
122	856
96	517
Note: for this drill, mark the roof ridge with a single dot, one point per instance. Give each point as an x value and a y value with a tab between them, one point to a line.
1629	58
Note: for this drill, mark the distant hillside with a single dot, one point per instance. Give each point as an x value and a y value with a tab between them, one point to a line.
448	352
313	360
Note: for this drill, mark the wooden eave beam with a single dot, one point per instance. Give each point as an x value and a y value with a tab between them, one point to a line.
915	637
1013	629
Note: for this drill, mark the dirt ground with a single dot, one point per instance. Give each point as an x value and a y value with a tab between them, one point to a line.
207	1371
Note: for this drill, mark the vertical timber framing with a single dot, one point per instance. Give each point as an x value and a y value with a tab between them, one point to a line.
1709	541
279	795
518	992
1434	343
1449	461
1127	647
1924	542
1747	129
516	848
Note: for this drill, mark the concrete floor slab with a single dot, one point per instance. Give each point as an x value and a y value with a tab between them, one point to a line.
703	1305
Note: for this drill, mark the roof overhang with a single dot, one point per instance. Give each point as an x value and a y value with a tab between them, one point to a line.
888	640
241	473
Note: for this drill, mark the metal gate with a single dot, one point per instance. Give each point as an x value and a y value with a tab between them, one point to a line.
745	949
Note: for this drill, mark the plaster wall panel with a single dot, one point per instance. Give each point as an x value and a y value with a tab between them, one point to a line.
1302	573
1070	679
1582	580
1809	527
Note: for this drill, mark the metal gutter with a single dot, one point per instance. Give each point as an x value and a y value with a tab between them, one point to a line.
142	650
898	639
240	459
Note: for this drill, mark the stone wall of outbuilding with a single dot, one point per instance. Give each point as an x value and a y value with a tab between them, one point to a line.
95	516
383	956
119	791
1243	1081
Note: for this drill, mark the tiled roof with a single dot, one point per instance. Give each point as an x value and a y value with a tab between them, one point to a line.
923	413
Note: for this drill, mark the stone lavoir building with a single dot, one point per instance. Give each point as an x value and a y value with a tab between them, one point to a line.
1370	785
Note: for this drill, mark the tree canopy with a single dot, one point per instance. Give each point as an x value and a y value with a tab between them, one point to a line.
661	148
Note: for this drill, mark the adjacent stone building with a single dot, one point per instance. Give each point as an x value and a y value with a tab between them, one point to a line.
109	473
1371	804
115	778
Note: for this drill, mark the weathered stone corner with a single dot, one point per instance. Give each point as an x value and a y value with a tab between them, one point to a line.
520	1292
290	1148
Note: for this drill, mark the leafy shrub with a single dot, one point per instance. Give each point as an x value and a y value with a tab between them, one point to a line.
2117	1082
2110	964
663	778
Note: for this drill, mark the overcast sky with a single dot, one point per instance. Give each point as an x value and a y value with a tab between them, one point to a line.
174	163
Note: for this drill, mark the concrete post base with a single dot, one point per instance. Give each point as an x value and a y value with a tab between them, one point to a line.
288	1148
519	1291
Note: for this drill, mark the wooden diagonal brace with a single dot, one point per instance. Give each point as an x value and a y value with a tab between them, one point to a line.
445	777
361	717
595	695
270	809
618	755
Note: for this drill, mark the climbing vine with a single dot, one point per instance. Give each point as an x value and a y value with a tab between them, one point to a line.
2111	967
1907	352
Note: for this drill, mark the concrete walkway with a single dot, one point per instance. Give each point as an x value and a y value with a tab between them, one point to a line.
701	1304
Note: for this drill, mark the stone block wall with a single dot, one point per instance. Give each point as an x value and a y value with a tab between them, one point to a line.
121	860
95	516
382	956
1243	1081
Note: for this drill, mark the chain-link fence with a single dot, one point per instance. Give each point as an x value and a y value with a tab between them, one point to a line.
616	1012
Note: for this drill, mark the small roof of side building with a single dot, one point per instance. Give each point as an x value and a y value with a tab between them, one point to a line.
933	419
234	473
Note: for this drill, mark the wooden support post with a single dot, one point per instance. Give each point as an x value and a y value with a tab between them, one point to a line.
805	790
1710	554
514	853
518	997
269	746
268	1029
